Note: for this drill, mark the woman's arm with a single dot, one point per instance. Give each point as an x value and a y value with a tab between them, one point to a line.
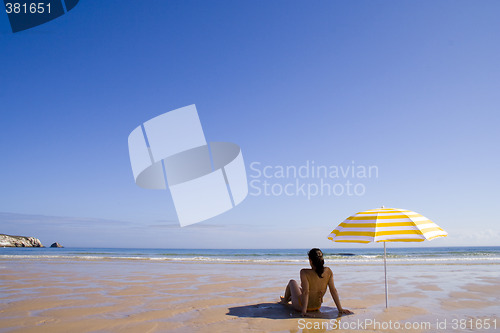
304	283
335	296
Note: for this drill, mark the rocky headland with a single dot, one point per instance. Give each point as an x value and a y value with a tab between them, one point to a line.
19	241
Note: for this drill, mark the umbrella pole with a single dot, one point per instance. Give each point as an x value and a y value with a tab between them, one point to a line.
385	273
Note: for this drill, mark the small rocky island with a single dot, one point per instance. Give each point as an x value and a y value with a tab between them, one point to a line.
56	244
19	241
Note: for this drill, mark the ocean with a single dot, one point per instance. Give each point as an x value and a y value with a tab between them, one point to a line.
415	255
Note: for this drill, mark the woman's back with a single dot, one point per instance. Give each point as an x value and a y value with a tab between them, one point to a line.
317	286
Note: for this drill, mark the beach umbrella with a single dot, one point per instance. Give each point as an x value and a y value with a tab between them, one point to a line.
386	225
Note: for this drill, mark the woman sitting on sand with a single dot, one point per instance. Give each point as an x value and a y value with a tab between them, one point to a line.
313	282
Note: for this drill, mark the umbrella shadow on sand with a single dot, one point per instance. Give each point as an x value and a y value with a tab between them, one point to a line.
278	311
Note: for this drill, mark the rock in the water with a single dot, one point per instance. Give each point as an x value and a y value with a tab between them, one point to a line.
56	244
19	241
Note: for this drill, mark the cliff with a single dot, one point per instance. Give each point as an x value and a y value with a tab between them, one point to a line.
19	241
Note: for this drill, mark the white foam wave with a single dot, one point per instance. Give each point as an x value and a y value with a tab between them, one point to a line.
358	259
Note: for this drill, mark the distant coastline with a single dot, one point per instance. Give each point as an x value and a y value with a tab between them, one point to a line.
19	241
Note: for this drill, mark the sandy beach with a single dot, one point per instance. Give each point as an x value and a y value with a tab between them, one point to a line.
147	296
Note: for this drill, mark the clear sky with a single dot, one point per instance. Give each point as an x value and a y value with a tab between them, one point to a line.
409	87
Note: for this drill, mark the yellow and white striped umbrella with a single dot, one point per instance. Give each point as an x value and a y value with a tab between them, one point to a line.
386	225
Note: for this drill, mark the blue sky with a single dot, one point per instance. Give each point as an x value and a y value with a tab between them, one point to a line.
408	87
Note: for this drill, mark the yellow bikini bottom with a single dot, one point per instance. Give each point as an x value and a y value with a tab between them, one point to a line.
310	309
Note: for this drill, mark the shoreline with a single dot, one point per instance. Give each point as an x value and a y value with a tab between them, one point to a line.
493	262
353	256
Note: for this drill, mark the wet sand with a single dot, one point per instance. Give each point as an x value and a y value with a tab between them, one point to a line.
148	296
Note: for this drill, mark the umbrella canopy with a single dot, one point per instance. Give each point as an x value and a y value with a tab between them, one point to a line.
386	225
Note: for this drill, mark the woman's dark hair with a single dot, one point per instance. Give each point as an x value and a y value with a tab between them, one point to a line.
316	257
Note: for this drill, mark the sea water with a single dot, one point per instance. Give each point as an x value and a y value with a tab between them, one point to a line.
366	255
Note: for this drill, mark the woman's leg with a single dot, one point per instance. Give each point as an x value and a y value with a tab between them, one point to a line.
293	292
285	299
296	294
